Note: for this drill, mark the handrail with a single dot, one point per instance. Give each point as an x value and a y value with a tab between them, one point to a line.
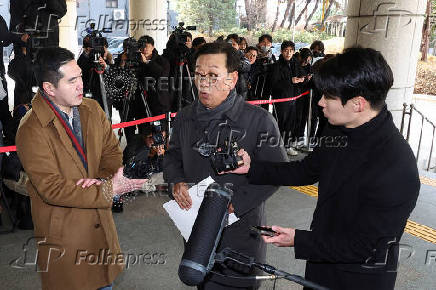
408	110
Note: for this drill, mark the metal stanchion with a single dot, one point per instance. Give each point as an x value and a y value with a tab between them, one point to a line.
306	147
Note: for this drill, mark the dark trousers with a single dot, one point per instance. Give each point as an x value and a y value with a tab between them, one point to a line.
302	108
286	119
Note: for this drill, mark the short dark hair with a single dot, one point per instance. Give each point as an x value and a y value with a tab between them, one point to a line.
267	36
219	38
143	40
286	44
305	53
47	63
251	48
232	60
197	41
356	72
319	44
233	36
127	40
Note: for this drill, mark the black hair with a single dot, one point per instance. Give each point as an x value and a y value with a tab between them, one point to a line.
198	41
251	48
241	39
127	40
267	36
219	38
143	40
304	54
286	44
188	34
356	72
319	44
232	59
47	63
233	36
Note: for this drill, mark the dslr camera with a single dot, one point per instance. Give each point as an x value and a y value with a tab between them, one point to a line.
158	137
139	166
223	158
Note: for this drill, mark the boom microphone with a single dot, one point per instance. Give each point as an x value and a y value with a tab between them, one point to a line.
199	256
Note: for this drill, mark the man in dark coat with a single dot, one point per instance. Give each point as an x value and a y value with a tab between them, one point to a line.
284	79
153	86
6	38
218	106
367	174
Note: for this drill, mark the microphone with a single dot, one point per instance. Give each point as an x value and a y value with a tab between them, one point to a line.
199	256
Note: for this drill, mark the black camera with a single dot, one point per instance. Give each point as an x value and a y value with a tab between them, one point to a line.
180	34
158	137
222	158
226	158
139	166
132	52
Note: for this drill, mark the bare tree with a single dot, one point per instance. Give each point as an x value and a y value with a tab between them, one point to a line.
276	18
291	16
426	32
288	8
302	11
256	12
311	14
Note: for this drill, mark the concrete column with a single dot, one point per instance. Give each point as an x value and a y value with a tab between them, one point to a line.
149	18
67	29
394	28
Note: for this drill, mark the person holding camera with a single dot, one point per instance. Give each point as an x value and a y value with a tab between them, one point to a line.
220	117
368	181
152	70
74	163
6	38
91	68
261	70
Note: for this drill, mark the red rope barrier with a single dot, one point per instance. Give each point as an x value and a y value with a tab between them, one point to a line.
161	117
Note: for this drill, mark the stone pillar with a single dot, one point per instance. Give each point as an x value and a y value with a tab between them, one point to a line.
149	18
67	29
394	28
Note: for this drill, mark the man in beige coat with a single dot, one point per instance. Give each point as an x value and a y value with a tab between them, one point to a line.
74	163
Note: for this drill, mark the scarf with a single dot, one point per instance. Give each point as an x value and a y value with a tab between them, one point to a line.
74	132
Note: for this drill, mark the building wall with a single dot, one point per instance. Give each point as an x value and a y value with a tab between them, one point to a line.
97	12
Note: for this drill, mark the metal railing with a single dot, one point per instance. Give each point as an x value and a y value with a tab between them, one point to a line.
409	110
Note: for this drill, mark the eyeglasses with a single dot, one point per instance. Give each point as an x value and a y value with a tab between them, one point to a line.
250	55
210	78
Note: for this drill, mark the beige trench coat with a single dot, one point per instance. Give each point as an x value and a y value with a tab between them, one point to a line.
78	242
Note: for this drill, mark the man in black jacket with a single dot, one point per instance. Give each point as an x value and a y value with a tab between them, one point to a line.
218	108
284	79
367	174
6	38
153	86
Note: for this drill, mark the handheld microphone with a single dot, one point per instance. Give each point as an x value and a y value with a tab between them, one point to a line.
199	256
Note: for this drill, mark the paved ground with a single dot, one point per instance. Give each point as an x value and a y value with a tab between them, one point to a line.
144	227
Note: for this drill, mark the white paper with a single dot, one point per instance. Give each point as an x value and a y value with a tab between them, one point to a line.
184	219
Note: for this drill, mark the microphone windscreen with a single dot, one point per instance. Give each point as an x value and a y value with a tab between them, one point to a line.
198	258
